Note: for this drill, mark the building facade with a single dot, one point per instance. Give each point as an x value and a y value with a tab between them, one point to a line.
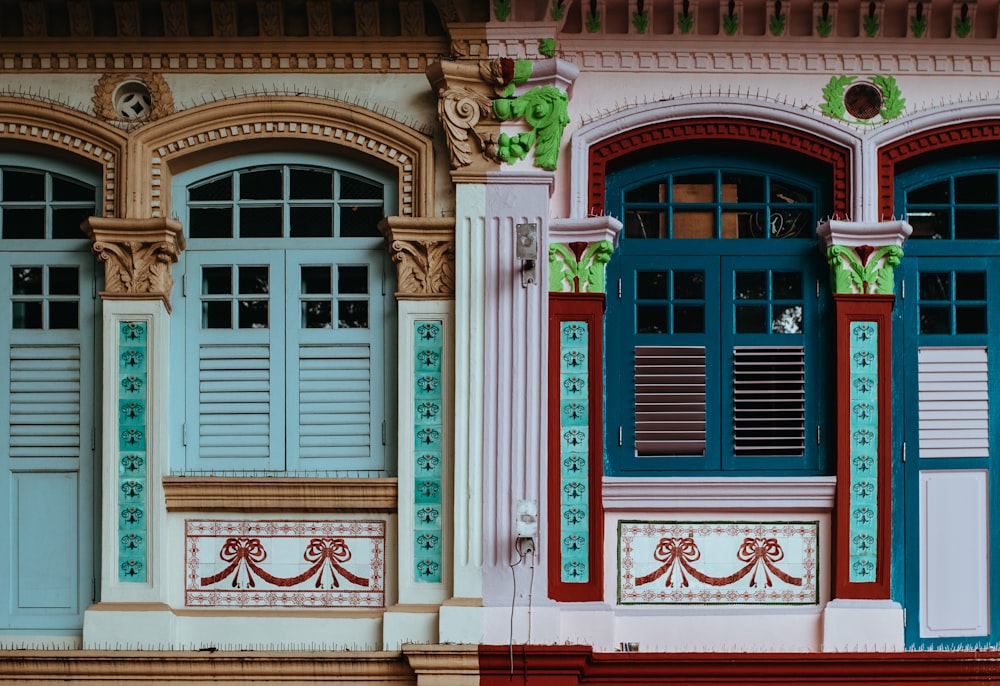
445	342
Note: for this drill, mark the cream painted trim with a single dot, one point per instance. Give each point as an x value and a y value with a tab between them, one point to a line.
774	494
278	494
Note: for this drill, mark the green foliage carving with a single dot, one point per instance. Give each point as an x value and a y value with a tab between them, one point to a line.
963	25
558	10
589	270
824	26
777	24
547	47
871	25
864	270
501	8
918	24
640	20
833	96
593	22
893	101
545	108
731	23
685	21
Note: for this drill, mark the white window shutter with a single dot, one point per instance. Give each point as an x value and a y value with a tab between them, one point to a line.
953	402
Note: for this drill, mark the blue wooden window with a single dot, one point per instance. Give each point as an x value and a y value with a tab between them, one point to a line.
287	318
47	308
715	340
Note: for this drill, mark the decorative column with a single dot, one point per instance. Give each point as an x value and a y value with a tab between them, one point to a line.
424	252
862	258
137	256
578	252
500	321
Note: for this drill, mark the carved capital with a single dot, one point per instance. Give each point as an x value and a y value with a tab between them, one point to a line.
863	257
579	249
465	108
423	249
137	256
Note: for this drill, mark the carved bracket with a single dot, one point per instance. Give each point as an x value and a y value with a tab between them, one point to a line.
578	267
423	249
863	257
137	256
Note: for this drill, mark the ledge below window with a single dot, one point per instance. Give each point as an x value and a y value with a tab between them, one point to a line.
278	494
773	494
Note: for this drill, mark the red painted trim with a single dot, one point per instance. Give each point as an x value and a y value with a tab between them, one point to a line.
928	141
848	309
572	665
587	307
716	129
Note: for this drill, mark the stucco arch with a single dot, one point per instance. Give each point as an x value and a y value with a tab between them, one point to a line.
52	129
253	124
729	118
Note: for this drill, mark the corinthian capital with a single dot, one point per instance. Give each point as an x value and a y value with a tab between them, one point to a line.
137	255
423	249
465	108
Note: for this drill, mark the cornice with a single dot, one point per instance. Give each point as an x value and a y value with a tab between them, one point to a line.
278	494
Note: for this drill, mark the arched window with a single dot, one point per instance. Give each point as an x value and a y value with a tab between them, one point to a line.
288	324
47	310
715	348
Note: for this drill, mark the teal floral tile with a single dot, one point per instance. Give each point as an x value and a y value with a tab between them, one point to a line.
428	360
574	335
132	465
427	491
574	519
573	413
429	569
132	334
426	543
428	333
574	492
428	385
573	386
428	464
574	439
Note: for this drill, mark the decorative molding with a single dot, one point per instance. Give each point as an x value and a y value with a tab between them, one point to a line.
863	256
545	109
578	267
162	100
278	494
719	494
132	392
887	103
863	479
428	439
423	249
137	255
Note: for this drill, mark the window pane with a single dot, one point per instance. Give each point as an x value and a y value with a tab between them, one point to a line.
352	279
310	184
253	280
64	189
651	319
360	221
787	320
316	314
218	189
751	285
26	315
791	224
742	188
217	315
976	188
262	184
689	319
64	281
217	280
970	286
311	222
651	285
751	319
260	222
782	192
352	314
694	188
353	188
935	319
66	222
787	285
23	223
27	280
930	223
698	224
937	193
253	314
970	319
64	315
19	185
316	280
935	286
645	224
211	222
975	224
689	285
651	192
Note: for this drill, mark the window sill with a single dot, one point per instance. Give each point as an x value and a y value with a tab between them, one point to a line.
278	494
774	494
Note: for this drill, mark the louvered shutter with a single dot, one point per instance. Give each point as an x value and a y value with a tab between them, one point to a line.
768	401
953	402
45	401
670	400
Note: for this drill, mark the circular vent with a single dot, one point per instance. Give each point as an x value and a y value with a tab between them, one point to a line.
133	101
863	101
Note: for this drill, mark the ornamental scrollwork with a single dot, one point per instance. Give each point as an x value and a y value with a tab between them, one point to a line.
460	111
864	269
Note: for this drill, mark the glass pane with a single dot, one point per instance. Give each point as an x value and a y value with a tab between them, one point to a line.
975	224
933	193
791	224
214	222
64	315
976	188
311	222
310	184
253	314
651	192
26	315
261	184
694	188
352	279
935	286
360	221
316	314
930	223
970	319
689	285
352	314
216	280
787	320
260	222
751	285
27	280
253	280
782	191
64	281
651	319
217	189
689	319
731	222
742	188
66	221
786	285
751	319
67	189
970	286
651	285
217	315
23	223
935	319
23	186
353	188
700	224
645	224
317	280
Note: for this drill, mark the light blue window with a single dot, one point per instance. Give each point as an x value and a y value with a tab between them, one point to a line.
288	322
48	313
716	343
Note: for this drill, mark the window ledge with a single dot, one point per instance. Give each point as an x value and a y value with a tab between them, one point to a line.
774	494
278	494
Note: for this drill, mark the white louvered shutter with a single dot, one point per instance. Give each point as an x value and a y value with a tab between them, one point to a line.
953	402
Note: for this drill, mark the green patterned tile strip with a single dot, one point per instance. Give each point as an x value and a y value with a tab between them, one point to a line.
574	457
864	450
132	461
428	434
